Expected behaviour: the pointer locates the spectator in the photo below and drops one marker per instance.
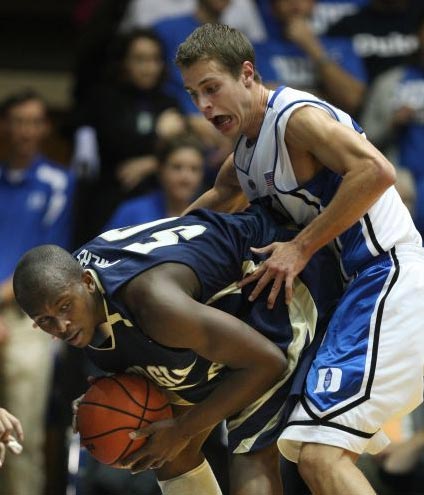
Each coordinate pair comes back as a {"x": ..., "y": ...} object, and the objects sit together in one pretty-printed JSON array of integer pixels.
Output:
[
  {"x": 97, "y": 22},
  {"x": 295, "y": 56},
  {"x": 128, "y": 115},
  {"x": 36, "y": 198},
  {"x": 173, "y": 31},
  {"x": 393, "y": 117},
  {"x": 328, "y": 12},
  {"x": 243, "y": 14},
  {"x": 180, "y": 177},
  {"x": 383, "y": 33}
]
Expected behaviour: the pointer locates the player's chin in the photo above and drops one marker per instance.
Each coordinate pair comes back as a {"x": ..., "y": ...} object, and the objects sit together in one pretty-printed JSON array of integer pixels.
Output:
[{"x": 81, "y": 339}]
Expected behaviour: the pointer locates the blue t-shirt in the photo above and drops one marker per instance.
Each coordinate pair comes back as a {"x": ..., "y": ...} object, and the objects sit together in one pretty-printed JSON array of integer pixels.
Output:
[
  {"x": 35, "y": 208},
  {"x": 138, "y": 210},
  {"x": 282, "y": 62},
  {"x": 173, "y": 31}
]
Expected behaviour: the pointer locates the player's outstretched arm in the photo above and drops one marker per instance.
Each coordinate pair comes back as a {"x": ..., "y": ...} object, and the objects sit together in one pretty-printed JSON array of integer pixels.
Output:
[
  {"x": 163, "y": 304},
  {"x": 226, "y": 194}
]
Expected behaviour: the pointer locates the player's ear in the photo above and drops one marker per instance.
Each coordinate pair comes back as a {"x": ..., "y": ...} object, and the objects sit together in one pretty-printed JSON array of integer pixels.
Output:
[
  {"x": 247, "y": 73},
  {"x": 88, "y": 280}
]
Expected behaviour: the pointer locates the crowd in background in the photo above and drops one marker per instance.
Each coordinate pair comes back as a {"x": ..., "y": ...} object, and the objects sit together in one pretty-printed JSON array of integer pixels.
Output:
[{"x": 139, "y": 151}]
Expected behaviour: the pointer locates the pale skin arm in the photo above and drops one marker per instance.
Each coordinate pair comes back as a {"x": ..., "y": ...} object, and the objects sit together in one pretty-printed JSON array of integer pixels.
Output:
[
  {"x": 366, "y": 175},
  {"x": 179, "y": 321},
  {"x": 226, "y": 194}
]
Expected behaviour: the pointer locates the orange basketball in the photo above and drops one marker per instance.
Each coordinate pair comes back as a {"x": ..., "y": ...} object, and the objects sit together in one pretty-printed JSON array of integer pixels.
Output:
[{"x": 114, "y": 406}]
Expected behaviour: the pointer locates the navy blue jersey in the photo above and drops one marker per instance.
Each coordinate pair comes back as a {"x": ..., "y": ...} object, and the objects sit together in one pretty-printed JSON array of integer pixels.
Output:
[{"x": 216, "y": 247}]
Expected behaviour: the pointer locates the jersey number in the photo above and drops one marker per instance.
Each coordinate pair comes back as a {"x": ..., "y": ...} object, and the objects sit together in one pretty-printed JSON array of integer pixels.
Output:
[{"x": 166, "y": 237}]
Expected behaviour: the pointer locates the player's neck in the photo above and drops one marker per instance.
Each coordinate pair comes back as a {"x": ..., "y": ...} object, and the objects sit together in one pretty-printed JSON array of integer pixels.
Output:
[{"x": 257, "y": 113}]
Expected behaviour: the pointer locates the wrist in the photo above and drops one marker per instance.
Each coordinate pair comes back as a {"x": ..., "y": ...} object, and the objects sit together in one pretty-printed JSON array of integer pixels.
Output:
[
  {"x": 322, "y": 60},
  {"x": 184, "y": 424}
]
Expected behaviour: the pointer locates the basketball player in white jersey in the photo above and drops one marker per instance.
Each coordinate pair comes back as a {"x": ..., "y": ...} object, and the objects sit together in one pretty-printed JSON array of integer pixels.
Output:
[{"x": 301, "y": 156}]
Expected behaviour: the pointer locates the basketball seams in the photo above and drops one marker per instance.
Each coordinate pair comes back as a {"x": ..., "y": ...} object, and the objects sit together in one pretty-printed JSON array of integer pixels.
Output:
[
  {"x": 120, "y": 390},
  {"x": 112, "y": 408},
  {"x": 147, "y": 395}
]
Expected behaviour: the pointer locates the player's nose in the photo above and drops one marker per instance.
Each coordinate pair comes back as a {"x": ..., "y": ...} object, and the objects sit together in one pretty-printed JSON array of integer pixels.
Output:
[
  {"x": 204, "y": 103},
  {"x": 63, "y": 325}
]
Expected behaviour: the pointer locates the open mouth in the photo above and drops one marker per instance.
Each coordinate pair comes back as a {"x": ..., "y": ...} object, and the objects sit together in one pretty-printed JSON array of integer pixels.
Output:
[{"x": 222, "y": 122}]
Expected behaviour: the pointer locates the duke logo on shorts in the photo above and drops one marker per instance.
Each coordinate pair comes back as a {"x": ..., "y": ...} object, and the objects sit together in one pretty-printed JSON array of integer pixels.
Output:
[{"x": 329, "y": 380}]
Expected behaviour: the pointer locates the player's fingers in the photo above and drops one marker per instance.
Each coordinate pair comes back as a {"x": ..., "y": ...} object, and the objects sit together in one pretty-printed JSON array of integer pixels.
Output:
[
  {"x": 289, "y": 289},
  {"x": 275, "y": 290},
  {"x": 252, "y": 277},
  {"x": 264, "y": 249},
  {"x": 141, "y": 433},
  {"x": 262, "y": 283}
]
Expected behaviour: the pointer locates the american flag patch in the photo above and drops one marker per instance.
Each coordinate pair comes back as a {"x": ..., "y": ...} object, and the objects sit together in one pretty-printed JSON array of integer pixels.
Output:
[{"x": 269, "y": 178}]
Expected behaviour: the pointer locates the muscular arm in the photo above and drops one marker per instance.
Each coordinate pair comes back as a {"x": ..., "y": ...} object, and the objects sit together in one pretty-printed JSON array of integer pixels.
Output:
[
  {"x": 226, "y": 194},
  {"x": 162, "y": 302},
  {"x": 314, "y": 139},
  {"x": 366, "y": 173}
]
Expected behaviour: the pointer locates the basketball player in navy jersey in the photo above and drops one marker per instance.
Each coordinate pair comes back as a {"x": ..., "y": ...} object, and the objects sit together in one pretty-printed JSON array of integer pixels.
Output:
[
  {"x": 302, "y": 156},
  {"x": 159, "y": 299}
]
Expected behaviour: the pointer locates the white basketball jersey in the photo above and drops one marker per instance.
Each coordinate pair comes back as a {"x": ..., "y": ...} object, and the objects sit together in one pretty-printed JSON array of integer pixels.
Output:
[{"x": 266, "y": 175}]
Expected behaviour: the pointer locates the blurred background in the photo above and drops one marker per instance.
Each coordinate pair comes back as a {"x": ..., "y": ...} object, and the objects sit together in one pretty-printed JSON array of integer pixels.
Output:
[{"x": 97, "y": 132}]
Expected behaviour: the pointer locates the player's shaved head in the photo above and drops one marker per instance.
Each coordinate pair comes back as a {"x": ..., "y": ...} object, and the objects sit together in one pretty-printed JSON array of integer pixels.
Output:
[{"x": 41, "y": 273}]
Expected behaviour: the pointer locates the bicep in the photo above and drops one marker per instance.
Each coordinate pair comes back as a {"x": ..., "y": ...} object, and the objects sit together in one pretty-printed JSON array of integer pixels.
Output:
[
  {"x": 331, "y": 143},
  {"x": 182, "y": 322}
]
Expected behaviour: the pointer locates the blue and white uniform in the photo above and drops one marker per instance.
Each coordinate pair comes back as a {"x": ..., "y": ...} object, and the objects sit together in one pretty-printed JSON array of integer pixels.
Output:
[
  {"x": 217, "y": 248},
  {"x": 370, "y": 364}
]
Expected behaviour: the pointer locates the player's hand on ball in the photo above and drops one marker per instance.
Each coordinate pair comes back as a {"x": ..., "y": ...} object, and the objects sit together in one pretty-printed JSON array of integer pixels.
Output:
[{"x": 164, "y": 443}]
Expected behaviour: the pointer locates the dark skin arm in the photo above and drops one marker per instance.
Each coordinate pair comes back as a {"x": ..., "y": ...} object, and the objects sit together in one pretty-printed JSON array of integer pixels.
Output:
[{"x": 162, "y": 301}]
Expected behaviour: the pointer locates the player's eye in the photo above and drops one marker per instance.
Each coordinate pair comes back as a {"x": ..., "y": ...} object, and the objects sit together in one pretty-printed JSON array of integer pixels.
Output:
[
  {"x": 193, "y": 95},
  {"x": 210, "y": 90},
  {"x": 42, "y": 322},
  {"x": 65, "y": 307}
]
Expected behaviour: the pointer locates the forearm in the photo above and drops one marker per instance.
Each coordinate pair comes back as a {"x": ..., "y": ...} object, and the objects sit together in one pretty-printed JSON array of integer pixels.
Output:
[
  {"x": 212, "y": 200},
  {"x": 356, "y": 194},
  {"x": 340, "y": 87},
  {"x": 237, "y": 391}
]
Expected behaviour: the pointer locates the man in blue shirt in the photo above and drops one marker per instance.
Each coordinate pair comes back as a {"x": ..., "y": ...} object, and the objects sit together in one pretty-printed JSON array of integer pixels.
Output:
[{"x": 35, "y": 207}]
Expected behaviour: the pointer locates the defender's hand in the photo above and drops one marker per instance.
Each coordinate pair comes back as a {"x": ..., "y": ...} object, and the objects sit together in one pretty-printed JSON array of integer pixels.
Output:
[{"x": 286, "y": 261}]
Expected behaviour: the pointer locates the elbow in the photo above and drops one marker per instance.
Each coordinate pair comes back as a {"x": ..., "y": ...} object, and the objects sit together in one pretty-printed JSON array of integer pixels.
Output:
[
  {"x": 386, "y": 173},
  {"x": 381, "y": 173}
]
